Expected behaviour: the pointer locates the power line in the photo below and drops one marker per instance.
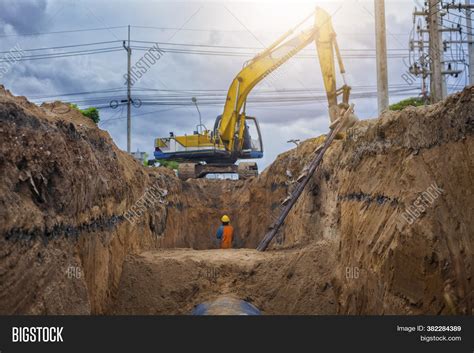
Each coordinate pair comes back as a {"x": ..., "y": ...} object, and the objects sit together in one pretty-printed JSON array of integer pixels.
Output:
[
  {"x": 64, "y": 54},
  {"x": 241, "y": 30},
  {"x": 254, "y": 106},
  {"x": 453, "y": 14},
  {"x": 147, "y": 113},
  {"x": 176, "y": 95},
  {"x": 249, "y": 54},
  {"x": 76, "y": 93},
  {"x": 59, "y": 32},
  {"x": 186, "y": 93},
  {"x": 238, "y": 47},
  {"x": 64, "y": 46},
  {"x": 119, "y": 114},
  {"x": 147, "y": 27},
  {"x": 236, "y": 50},
  {"x": 219, "y": 100},
  {"x": 176, "y": 51},
  {"x": 186, "y": 45},
  {"x": 457, "y": 23}
]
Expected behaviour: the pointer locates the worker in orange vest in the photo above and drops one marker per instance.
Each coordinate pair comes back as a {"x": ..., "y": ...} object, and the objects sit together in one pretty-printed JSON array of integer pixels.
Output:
[{"x": 225, "y": 233}]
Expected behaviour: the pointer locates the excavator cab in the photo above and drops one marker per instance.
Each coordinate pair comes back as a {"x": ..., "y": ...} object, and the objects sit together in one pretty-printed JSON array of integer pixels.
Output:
[
  {"x": 252, "y": 144},
  {"x": 252, "y": 147}
]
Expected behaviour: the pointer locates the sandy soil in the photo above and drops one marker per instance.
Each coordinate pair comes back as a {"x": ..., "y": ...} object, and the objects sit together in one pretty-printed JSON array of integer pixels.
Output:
[{"x": 276, "y": 282}]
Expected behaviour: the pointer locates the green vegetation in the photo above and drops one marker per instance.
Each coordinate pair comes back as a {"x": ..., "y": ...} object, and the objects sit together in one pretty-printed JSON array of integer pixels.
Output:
[
  {"x": 168, "y": 164},
  {"x": 145, "y": 159},
  {"x": 92, "y": 113},
  {"x": 414, "y": 102}
]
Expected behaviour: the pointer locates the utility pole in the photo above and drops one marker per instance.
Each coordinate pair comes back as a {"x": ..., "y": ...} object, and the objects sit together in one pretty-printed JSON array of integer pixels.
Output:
[
  {"x": 433, "y": 64},
  {"x": 436, "y": 80},
  {"x": 381, "y": 54},
  {"x": 469, "y": 40},
  {"x": 129, "y": 92}
]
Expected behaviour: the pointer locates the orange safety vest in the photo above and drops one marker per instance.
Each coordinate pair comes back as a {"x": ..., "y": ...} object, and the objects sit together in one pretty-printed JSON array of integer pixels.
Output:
[{"x": 227, "y": 235}]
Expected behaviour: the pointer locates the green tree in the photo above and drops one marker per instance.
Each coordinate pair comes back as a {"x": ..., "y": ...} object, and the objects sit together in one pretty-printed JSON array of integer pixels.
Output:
[
  {"x": 409, "y": 102},
  {"x": 168, "y": 164},
  {"x": 91, "y": 112}
]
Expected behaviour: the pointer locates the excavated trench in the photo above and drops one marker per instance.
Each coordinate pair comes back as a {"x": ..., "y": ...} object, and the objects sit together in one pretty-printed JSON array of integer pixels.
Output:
[
  {"x": 176, "y": 281},
  {"x": 356, "y": 242}
]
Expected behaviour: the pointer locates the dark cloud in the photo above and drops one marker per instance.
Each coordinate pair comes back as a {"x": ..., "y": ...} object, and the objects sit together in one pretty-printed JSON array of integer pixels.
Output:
[{"x": 23, "y": 16}]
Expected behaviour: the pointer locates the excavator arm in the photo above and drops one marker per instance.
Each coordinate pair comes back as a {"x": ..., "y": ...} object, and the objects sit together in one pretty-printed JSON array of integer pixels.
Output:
[
  {"x": 326, "y": 45},
  {"x": 232, "y": 121}
]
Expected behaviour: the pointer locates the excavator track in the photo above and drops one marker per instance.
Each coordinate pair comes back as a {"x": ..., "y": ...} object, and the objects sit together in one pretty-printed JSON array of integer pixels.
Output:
[
  {"x": 244, "y": 170},
  {"x": 187, "y": 171}
]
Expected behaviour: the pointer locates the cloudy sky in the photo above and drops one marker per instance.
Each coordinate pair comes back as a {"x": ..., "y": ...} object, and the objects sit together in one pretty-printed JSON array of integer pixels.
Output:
[{"x": 205, "y": 45}]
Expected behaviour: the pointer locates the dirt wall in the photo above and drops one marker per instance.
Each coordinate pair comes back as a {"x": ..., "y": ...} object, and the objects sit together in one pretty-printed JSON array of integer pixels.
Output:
[
  {"x": 389, "y": 260},
  {"x": 64, "y": 186}
]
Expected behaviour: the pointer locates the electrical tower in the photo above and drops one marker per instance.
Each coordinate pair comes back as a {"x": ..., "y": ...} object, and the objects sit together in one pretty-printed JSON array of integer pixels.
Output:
[{"x": 441, "y": 31}]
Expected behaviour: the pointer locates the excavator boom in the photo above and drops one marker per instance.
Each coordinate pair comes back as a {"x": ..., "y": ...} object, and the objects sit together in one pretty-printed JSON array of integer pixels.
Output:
[
  {"x": 273, "y": 57},
  {"x": 233, "y": 120}
]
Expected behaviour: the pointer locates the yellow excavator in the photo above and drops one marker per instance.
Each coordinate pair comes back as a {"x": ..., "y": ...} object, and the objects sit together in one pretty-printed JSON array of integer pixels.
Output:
[{"x": 217, "y": 150}]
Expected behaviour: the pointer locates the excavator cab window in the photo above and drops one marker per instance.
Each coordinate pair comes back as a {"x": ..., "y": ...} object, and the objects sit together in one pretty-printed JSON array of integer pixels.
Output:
[{"x": 252, "y": 145}]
